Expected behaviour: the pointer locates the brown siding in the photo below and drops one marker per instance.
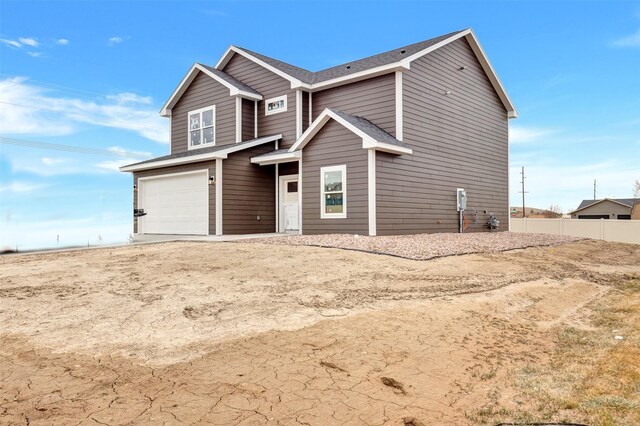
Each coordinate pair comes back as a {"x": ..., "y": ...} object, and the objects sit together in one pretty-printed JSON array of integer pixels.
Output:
[
  {"x": 203, "y": 92},
  {"x": 248, "y": 125},
  {"x": 305, "y": 110},
  {"x": 248, "y": 191},
  {"x": 209, "y": 165},
  {"x": 373, "y": 99},
  {"x": 288, "y": 168},
  {"x": 333, "y": 146},
  {"x": 270, "y": 86},
  {"x": 458, "y": 141}
]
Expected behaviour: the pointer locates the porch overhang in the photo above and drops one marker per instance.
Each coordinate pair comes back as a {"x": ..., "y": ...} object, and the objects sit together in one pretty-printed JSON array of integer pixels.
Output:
[{"x": 277, "y": 157}]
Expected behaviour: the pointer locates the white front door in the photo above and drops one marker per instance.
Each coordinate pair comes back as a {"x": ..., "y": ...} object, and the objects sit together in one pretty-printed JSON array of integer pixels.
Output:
[{"x": 289, "y": 212}]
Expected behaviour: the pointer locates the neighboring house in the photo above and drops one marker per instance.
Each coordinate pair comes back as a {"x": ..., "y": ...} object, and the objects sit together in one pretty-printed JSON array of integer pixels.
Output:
[
  {"x": 607, "y": 208},
  {"x": 377, "y": 146}
]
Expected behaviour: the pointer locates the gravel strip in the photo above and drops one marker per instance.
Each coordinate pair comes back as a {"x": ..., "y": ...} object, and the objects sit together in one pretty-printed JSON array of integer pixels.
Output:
[{"x": 423, "y": 246}]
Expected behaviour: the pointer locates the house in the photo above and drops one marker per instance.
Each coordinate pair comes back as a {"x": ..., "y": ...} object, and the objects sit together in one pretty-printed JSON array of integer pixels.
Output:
[
  {"x": 607, "y": 208},
  {"x": 377, "y": 146}
]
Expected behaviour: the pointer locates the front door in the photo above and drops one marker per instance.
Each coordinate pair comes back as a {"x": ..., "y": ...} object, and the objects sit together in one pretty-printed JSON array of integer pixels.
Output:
[{"x": 289, "y": 212}]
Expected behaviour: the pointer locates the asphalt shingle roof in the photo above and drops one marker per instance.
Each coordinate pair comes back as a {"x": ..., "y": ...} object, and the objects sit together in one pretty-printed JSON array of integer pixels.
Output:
[
  {"x": 626, "y": 201},
  {"x": 369, "y": 128},
  {"x": 200, "y": 151},
  {"x": 229, "y": 79},
  {"x": 374, "y": 61}
]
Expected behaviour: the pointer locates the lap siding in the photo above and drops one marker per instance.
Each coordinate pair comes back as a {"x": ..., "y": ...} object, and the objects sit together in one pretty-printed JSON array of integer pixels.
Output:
[
  {"x": 248, "y": 191},
  {"x": 459, "y": 141},
  {"x": 333, "y": 146}
]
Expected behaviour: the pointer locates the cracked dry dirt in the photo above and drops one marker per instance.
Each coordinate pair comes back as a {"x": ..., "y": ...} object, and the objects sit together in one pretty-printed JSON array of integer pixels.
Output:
[{"x": 231, "y": 333}]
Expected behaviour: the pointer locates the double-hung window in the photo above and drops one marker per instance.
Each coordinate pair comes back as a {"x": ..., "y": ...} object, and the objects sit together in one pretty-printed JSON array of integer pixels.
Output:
[
  {"x": 333, "y": 181},
  {"x": 202, "y": 127}
]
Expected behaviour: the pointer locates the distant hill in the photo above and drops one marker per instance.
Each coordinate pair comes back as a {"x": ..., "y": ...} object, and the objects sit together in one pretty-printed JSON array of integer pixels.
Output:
[{"x": 533, "y": 212}]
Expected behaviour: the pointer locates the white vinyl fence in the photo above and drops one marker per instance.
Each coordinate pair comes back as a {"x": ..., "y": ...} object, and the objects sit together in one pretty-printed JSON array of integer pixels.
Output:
[{"x": 621, "y": 231}]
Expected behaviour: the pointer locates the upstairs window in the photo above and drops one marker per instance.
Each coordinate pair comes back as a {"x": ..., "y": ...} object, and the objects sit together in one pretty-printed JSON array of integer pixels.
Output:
[
  {"x": 202, "y": 123},
  {"x": 275, "y": 105},
  {"x": 333, "y": 181}
]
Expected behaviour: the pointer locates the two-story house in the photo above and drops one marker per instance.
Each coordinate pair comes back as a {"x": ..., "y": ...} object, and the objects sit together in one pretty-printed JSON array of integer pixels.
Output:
[{"x": 377, "y": 146}]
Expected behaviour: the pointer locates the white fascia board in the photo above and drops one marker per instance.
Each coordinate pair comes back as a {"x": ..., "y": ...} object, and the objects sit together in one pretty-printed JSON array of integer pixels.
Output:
[
  {"x": 233, "y": 50},
  {"x": 191, "y": 75},
  {"x": 360, "y": 75},
  {"x": 221, "y": 154},
  {"x": 390, "y": 148},
  {"x": 224, "y": 153},
  {"x": 285, "y": 157}
]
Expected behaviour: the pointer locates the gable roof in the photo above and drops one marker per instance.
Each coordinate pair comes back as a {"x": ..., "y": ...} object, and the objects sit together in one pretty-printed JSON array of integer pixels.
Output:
[
  {"x": 236, "y": 87},
  {"x": 627, "y": 202},
  {"x": 200, "y": 154},
  {"x": 396, "y": 59},
  {"x": 373, "y": 137}
]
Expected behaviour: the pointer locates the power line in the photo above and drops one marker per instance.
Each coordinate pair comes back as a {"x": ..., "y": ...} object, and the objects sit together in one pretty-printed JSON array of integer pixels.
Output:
[{"x": 68, "y": 148}]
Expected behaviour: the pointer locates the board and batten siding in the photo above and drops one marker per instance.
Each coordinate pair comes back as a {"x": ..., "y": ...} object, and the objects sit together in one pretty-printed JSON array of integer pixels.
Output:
[
  {"x": 270, "y": 86},
  {"x": 248, "y": 191},
  {"x": 373, "y": 99},
  {"x": 203, "y": 92},
  {"x": 459, "y": 140},
  {"x": 210, "y": 166},
  {"x": 334, "y": 145}
]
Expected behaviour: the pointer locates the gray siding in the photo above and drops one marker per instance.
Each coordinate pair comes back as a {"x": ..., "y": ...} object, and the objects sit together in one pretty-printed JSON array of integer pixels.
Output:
[
  {"x": 458, "y": 141},
  {"x": 248, "y": 191},
  {"x": 333, "y": 146},
  {"x": 203, "y": 92},
  {"x": 270, "y": 86},
  {"x": 248, "y": 125},
  {"x": 373, "y": 99},
  {"x": 209, "y": 165}
]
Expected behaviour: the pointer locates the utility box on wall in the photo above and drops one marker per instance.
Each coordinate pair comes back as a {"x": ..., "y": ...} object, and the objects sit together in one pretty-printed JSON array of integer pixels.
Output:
[{"x": 462, "y": 199}]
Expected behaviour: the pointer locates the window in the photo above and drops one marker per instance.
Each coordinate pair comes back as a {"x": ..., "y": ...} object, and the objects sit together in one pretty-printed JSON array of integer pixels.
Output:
[
  {"x": 275, "y": 105},
  {"x": 202, "y": 123},
  {"x": 333, "y": 181}
]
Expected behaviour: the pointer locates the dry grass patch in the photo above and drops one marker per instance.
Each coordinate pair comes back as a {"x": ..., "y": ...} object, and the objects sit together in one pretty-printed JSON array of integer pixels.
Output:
[{"x": 592, "y": 377}]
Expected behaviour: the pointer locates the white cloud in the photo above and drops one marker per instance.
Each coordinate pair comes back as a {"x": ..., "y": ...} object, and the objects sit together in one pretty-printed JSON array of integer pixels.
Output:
[
  {"x": 130, "y": 98},
  {"x": 29, "y": 41},
  {"x": 116, "y": 40},
  {"x": 632, "y": 40},
  {"x": 122, "y": 152},
  {"x": 10, "y": 43},
  {"x": 35, "y": 54},
  {"x": 114, "y": 165},
  {"x": 20, "y": 187},
  {"x": 47, "y": 161},
  {"x": 28, "y": 109},
  {"x": 519, "y": 134},
  {"x": 62, "y": 41}
]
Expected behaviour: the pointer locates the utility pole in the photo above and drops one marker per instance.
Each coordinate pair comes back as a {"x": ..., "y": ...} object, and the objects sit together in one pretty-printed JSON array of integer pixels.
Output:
[
  {"x": 594, "y": 190},
  {"x": 523, "y": 192}
]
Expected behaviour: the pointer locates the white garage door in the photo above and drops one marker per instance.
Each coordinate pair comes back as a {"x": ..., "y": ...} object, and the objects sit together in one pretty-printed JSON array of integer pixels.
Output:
[{"x": 176, "y": 204}]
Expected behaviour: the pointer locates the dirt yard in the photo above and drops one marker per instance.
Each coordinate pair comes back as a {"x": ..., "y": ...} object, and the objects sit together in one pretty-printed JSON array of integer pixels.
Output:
[{"x": 250, "y": 333}]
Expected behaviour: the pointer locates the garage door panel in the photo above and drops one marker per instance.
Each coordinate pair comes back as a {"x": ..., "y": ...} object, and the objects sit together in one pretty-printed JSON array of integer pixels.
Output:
[{"x": 176, "y": 204}]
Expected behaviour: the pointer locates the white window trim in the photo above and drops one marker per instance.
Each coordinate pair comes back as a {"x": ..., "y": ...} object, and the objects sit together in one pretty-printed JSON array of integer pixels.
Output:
[
  {"x": 323, "y": 215},
  {"x": 279, "y": 98},
  {"x": 202, "y": 145}
]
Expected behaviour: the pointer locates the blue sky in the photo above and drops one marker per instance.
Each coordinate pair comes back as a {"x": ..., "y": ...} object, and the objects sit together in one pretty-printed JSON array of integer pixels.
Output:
[{"x": 95, "y": 74}]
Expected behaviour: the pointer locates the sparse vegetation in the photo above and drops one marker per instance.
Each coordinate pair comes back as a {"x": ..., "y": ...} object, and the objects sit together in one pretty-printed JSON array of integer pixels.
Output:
[{"x": 592, "y": 376}]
